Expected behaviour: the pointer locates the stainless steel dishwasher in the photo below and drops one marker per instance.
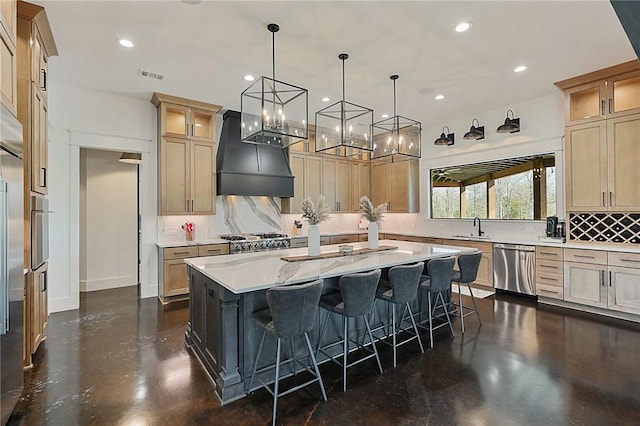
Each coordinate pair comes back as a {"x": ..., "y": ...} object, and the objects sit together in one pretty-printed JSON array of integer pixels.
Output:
[{"x": 514, "y": 268}]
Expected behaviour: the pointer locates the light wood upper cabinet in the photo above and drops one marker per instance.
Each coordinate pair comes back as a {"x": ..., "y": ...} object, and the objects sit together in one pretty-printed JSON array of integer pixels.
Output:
[
  {"x": 396, "y": 184},
  {"x": 623, "y": 154},
  {"x": 586, "y": 166},
  {"x": 187, "y": 160},
  {"x": 603, "y": 165},
  {"x": 336, "y": 177},
  {"x": 607, "y": 93},
  {"x": 8, "y": 60},
  {"x": 307, "y": 172},
  {"x": 360, "y": 183}
]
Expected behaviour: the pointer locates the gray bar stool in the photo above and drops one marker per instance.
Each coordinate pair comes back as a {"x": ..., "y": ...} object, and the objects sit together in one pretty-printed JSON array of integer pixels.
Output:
[
  {"x": 355, "y": 299},
  {"x": 438, "y": 283},
  {"x": 469, "y": 264},
  {"x": 291, "y": 313},
  {"x": 401, "y": 289}
]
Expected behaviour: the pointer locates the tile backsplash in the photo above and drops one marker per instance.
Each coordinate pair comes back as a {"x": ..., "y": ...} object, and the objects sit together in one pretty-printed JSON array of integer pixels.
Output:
[{"x": 241, "y": 214}]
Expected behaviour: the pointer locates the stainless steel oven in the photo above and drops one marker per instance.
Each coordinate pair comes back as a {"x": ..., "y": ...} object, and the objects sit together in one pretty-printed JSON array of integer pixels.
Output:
[{"x": 39, "y": 231}]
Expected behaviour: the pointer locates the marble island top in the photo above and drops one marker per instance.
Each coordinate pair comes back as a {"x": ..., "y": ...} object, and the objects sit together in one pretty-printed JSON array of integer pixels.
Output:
[{"x": 242, "y": 273}]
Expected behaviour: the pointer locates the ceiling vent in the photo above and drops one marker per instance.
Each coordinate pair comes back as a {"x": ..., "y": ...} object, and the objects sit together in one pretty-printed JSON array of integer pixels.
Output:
[{"x": 151, "y": 74}]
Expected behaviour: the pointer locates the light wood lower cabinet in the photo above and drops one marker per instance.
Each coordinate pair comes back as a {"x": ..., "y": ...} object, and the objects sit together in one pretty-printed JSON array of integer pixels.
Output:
[
  {"x": 485, "y": 270},
  {"x": 609, "y": 280},
  {"x": 549, "y": 272},
  {"x": 39, "y": 313}
]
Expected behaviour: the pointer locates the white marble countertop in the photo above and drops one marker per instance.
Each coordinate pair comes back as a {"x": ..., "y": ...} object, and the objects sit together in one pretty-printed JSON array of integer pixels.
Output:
[
  {"x": 166, "y": 244},
  {"x": 242, "y": 273}
]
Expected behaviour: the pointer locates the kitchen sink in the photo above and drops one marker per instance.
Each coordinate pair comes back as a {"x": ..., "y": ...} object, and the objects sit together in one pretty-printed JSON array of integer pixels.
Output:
[{"x": 473, "y": 237}]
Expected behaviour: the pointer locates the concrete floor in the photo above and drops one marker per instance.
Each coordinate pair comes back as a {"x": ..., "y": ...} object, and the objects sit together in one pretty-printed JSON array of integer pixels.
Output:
[{"x": 122, "y": 361}]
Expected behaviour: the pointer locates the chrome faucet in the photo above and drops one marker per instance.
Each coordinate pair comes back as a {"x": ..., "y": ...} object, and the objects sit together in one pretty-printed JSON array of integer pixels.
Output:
[{"x": 480, "y": 231}]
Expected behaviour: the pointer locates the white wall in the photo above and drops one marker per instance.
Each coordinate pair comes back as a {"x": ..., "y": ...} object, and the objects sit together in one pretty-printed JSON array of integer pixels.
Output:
[
  {"x": 108, "y": 221},
  {"x": 90, "y": 119}
]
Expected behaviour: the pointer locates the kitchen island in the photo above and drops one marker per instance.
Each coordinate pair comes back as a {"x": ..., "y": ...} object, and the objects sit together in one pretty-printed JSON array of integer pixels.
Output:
[{"x": 226, "y": 290}]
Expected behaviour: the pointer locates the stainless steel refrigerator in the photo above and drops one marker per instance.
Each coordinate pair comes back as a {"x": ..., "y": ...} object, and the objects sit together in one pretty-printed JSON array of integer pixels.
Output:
[{"x": 12, "y": 268}]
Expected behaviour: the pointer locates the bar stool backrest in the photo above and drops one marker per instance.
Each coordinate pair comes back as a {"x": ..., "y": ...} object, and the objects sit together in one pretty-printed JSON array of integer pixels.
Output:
[
  {"x": 440, "y": 271},
  {"x": 469, "y": 264},
  {"x": 405, "y": 280},
  {"x": 294, "y": 308},
  {"x": 359, "y": 292}
]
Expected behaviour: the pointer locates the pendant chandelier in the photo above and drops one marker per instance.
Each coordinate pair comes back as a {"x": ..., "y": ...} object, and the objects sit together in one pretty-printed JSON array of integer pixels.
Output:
[
  {"x": 344, "y": 128},
  {"x": 273, "y": 112},
  {"x": 396, "y": 138}
]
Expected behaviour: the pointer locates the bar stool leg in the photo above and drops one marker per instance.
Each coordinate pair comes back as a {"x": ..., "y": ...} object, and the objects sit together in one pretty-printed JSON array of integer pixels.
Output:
[
  {"x": 321, "y": 335},
  {"x": 373, "y": 343},
  {"x": 315, "y": 366},
  {"x": 255, "y": 364},
  {"x": 446, "y": 312},
  {"x": 292, "y": 343},
  {"x": 475, "y": 307},
  {"x": 461, "y": 306},
  {"x": 393, "y": 331},
  {"x": 345, "y": 323},
  {"x": 430, "y": 320},
  {"x": 415, "y": 328},
  {"x": 275, "y": 389}
]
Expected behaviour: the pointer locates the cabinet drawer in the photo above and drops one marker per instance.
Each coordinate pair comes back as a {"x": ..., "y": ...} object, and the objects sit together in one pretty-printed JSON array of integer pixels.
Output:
[
  {"x": 298, "y": 242},
  {"x": 549, "y": 253},
  {"x": 585, "y": 256},
  {"x": 213, "y": 250},
  {"x": 342, "y": 239},
  {"x": 180, "y": 252},
  {"x": 364, "y": 237},
  {"x": 549, "y": 267},
  {"x": 549, "y": 291},
  {"x": 325, "y": 240},
  {"x": 549, "y": 279},
  {"x": 412, "y": 239},
  {"x": 627, "y": 260},
  {"x": 430, "y": 240}
]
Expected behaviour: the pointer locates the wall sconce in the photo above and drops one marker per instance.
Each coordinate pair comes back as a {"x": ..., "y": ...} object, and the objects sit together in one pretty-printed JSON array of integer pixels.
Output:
[
  {"x": 131, "y": 158},
  {"x": 446, "y": 138},
  {"x": 511, "y": 125},
  {"x": 476, "y": 132}
]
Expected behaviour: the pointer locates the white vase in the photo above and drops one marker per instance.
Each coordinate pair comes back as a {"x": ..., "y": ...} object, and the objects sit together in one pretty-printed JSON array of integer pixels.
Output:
[
  {"x": 313, "y": 237},
  {"x": 373, "y": 235}
]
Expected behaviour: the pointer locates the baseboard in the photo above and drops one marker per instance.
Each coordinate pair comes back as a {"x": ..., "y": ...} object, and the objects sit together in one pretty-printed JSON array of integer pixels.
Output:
[{"x": 107, "y": 283}]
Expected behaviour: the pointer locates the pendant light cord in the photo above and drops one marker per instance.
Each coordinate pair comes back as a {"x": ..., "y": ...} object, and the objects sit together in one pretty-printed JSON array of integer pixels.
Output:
[{"x": 273, "y": 56}]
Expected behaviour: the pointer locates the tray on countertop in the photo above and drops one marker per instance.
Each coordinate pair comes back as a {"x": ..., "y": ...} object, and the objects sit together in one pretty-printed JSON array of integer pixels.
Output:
[{"x": 331, "y": 254}]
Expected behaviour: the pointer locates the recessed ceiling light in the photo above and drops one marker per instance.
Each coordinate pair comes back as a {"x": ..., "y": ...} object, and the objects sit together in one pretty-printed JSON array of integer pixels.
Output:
[
  {"x": 463, "y": 26},
  {"x": 439, "y": 97},
  {"x": 519, "y": 68},
  {"x": 124, "y": 42},
  {"x": 325, "y": 99},
  {"x": 249, "y": 77},
  {"x": 385, "y": 115}
]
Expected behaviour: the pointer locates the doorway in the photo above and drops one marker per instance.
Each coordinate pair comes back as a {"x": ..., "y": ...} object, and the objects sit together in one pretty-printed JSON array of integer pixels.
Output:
[{"x": 109, "y": 225}]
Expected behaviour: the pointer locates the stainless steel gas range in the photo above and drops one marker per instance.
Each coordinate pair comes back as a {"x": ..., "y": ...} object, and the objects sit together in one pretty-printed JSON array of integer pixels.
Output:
[{"x": 245, "y": 243}]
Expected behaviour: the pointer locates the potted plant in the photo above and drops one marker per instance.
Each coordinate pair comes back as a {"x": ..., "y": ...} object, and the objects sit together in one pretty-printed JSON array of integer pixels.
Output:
[
  {"x": 373, "y": 215},
  {"x": 314, "y": 214}
]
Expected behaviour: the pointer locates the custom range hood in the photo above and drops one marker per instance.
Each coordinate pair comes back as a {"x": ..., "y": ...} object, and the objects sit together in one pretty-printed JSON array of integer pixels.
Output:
[{"x": 250, "y": 169}]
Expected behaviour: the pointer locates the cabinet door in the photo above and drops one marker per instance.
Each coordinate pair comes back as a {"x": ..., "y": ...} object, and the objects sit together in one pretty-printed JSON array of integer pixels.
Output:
[
  {"x": 203, "y": 178},
  {"x": 38, "y": 143},
  {"x": 343, "y": 185},
  {"x": 399, "y": 190},
  {"x": 313, "y": 177},
  {"x": 176, "y": 280},
  {"x": 297, "y": 163},
  {"x": 624, "y": 289},
  {"x": 585, "y": 103},
  {"x": 175, "y": 122},
  {"x": 359, "y": 183},
  {"x": 624, "y": 95},
  {"x": 585, "y": 283},
  {"x": 39, "y": 61},
  {"x": 8, "y": 17},
  {"x": 174, "y": 169},
  {"x": 202, "y": 125},
  {"x": 586, "y": 167},
  {"x": 329, "y": 169},
  {"x": 379, "y": 183},
  {"x": 38, "y": 312},
  {"x": 623, "y": 145},
  {"x": 8, "y": 77}
]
